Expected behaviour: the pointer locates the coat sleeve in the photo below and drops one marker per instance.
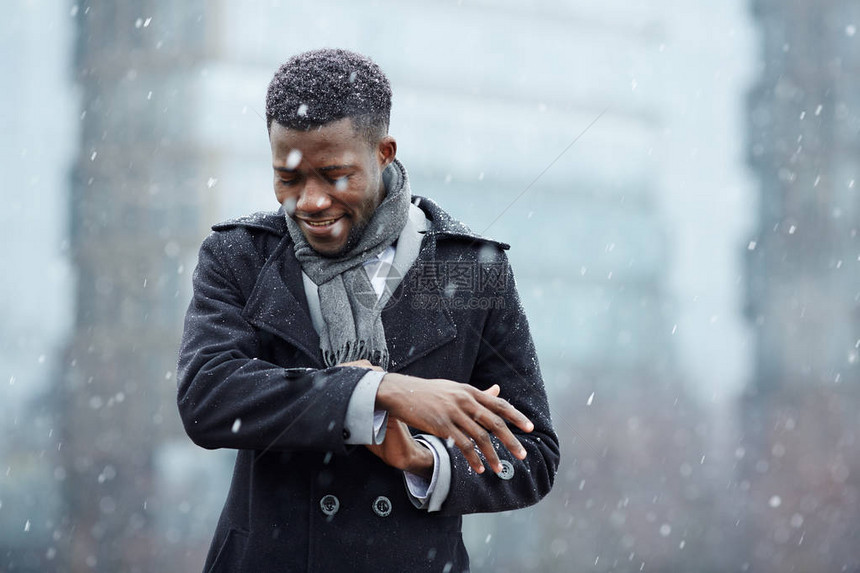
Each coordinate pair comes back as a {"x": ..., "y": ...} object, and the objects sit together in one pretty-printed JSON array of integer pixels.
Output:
[
  {"x": 228, "y": 396},
  {"x": 507, "y": 357}
]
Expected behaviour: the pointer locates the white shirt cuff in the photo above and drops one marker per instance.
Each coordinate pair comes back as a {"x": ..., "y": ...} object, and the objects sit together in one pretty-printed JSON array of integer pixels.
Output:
[
  {"x": 430, "y": 495},
  {"x": 364, "y": 424}
]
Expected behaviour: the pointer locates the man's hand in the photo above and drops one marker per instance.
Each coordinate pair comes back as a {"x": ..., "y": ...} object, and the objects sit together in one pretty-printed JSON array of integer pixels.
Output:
[
  {"x": 455, "y": 411},
  {"x": 401, "y": 451},
  {"x": 363, "y": 363}
]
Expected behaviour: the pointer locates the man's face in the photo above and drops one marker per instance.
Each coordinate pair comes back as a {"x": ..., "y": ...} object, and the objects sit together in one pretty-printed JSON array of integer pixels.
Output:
[{"x": 329, "y": 180}]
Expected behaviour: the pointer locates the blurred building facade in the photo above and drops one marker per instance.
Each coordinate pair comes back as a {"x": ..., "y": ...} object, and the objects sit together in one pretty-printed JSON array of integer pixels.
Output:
[
  {"x": 37, "y": 132},
  {"x": 800, "y": 469},
  {"x": 135, "y": 220}
]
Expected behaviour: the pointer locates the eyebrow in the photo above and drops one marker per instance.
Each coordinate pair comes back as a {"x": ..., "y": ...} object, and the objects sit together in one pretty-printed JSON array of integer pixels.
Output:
[{"x": 325, "y": 169}]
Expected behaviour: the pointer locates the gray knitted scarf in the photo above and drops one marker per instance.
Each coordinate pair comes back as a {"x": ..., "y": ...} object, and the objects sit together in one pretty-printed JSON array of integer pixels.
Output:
[{"x": 352, "y": 315}]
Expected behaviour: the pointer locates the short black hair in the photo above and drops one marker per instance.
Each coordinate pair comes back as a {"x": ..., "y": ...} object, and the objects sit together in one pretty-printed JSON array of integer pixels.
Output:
[{"x": 318, "y": 87}]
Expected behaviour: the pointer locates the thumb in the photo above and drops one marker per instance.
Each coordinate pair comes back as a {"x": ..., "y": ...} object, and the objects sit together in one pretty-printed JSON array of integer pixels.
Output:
[{"x": 493, "y": 390}]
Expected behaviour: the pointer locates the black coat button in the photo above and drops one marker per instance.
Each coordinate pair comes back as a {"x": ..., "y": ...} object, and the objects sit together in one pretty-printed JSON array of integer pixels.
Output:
[
  {"x": 329, "y": 504},
  {"x": 346, "y": 434},
  {"x": 507, "y": 470},
  {"x": 382, "y": 506}
]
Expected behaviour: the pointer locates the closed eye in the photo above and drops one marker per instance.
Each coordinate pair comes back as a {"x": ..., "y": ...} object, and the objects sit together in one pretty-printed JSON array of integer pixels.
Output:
[{"x": 339, "y": 183}]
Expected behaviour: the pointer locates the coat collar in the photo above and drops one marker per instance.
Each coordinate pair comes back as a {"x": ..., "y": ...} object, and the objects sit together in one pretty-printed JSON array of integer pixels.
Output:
[
  {"x": 278, "y": 304},
  {"x": 444, "y": 226}
]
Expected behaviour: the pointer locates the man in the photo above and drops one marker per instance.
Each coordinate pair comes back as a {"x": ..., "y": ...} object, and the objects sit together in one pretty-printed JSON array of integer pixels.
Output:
[{"x": 363, "y": 351}]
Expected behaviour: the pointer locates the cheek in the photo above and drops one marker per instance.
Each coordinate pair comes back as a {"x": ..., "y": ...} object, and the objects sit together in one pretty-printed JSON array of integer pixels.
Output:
[
  {"x": 367, "y": 201},
  {"x": 286, "y": 197},
  {"x": 354, "y": 192}
]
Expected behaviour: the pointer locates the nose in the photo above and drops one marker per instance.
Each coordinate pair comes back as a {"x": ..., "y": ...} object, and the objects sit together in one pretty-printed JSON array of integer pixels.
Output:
[{"x": 314, "y": 197}]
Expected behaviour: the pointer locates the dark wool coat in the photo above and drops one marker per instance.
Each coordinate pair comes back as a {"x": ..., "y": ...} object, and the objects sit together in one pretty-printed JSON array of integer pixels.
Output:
[{"x": 301, "y": 499}]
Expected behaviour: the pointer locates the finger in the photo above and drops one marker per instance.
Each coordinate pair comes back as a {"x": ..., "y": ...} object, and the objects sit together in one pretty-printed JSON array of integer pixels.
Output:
[
  {"x": 497, "y": 427},
  {"x": 400, "y": 426},
  {"x": 492, "y": 390},
  {"x": 506, "y": 410},
  {"x": 363, "y": 363},
  {"x": 482, "y": 439},
  {"x": 467, "y": 446},
  {"x": 484, "y": 416}
]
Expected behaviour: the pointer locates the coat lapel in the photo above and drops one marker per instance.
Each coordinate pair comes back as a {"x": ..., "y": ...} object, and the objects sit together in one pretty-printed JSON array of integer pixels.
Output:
[
  {"x": 414, "y": 328},
  {"x": 278, "y": 304}
]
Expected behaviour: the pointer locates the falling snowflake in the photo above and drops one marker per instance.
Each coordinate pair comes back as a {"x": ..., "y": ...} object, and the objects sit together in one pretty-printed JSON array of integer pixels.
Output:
[{"x": 294, "y": 157}]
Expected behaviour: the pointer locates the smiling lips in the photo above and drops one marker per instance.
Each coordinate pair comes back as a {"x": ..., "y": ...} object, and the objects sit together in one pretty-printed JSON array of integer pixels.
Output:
[
  {"x": 324, "y": 223},
  {"x": 323, "y": 228}
]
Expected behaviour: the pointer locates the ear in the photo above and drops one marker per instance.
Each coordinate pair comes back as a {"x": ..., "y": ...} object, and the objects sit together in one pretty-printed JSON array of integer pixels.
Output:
[{"x": 386, "y": 150}]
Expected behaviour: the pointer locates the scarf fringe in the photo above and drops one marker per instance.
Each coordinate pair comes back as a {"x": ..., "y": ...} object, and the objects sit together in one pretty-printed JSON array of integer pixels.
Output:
[{"x": 354, "y": 350}]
